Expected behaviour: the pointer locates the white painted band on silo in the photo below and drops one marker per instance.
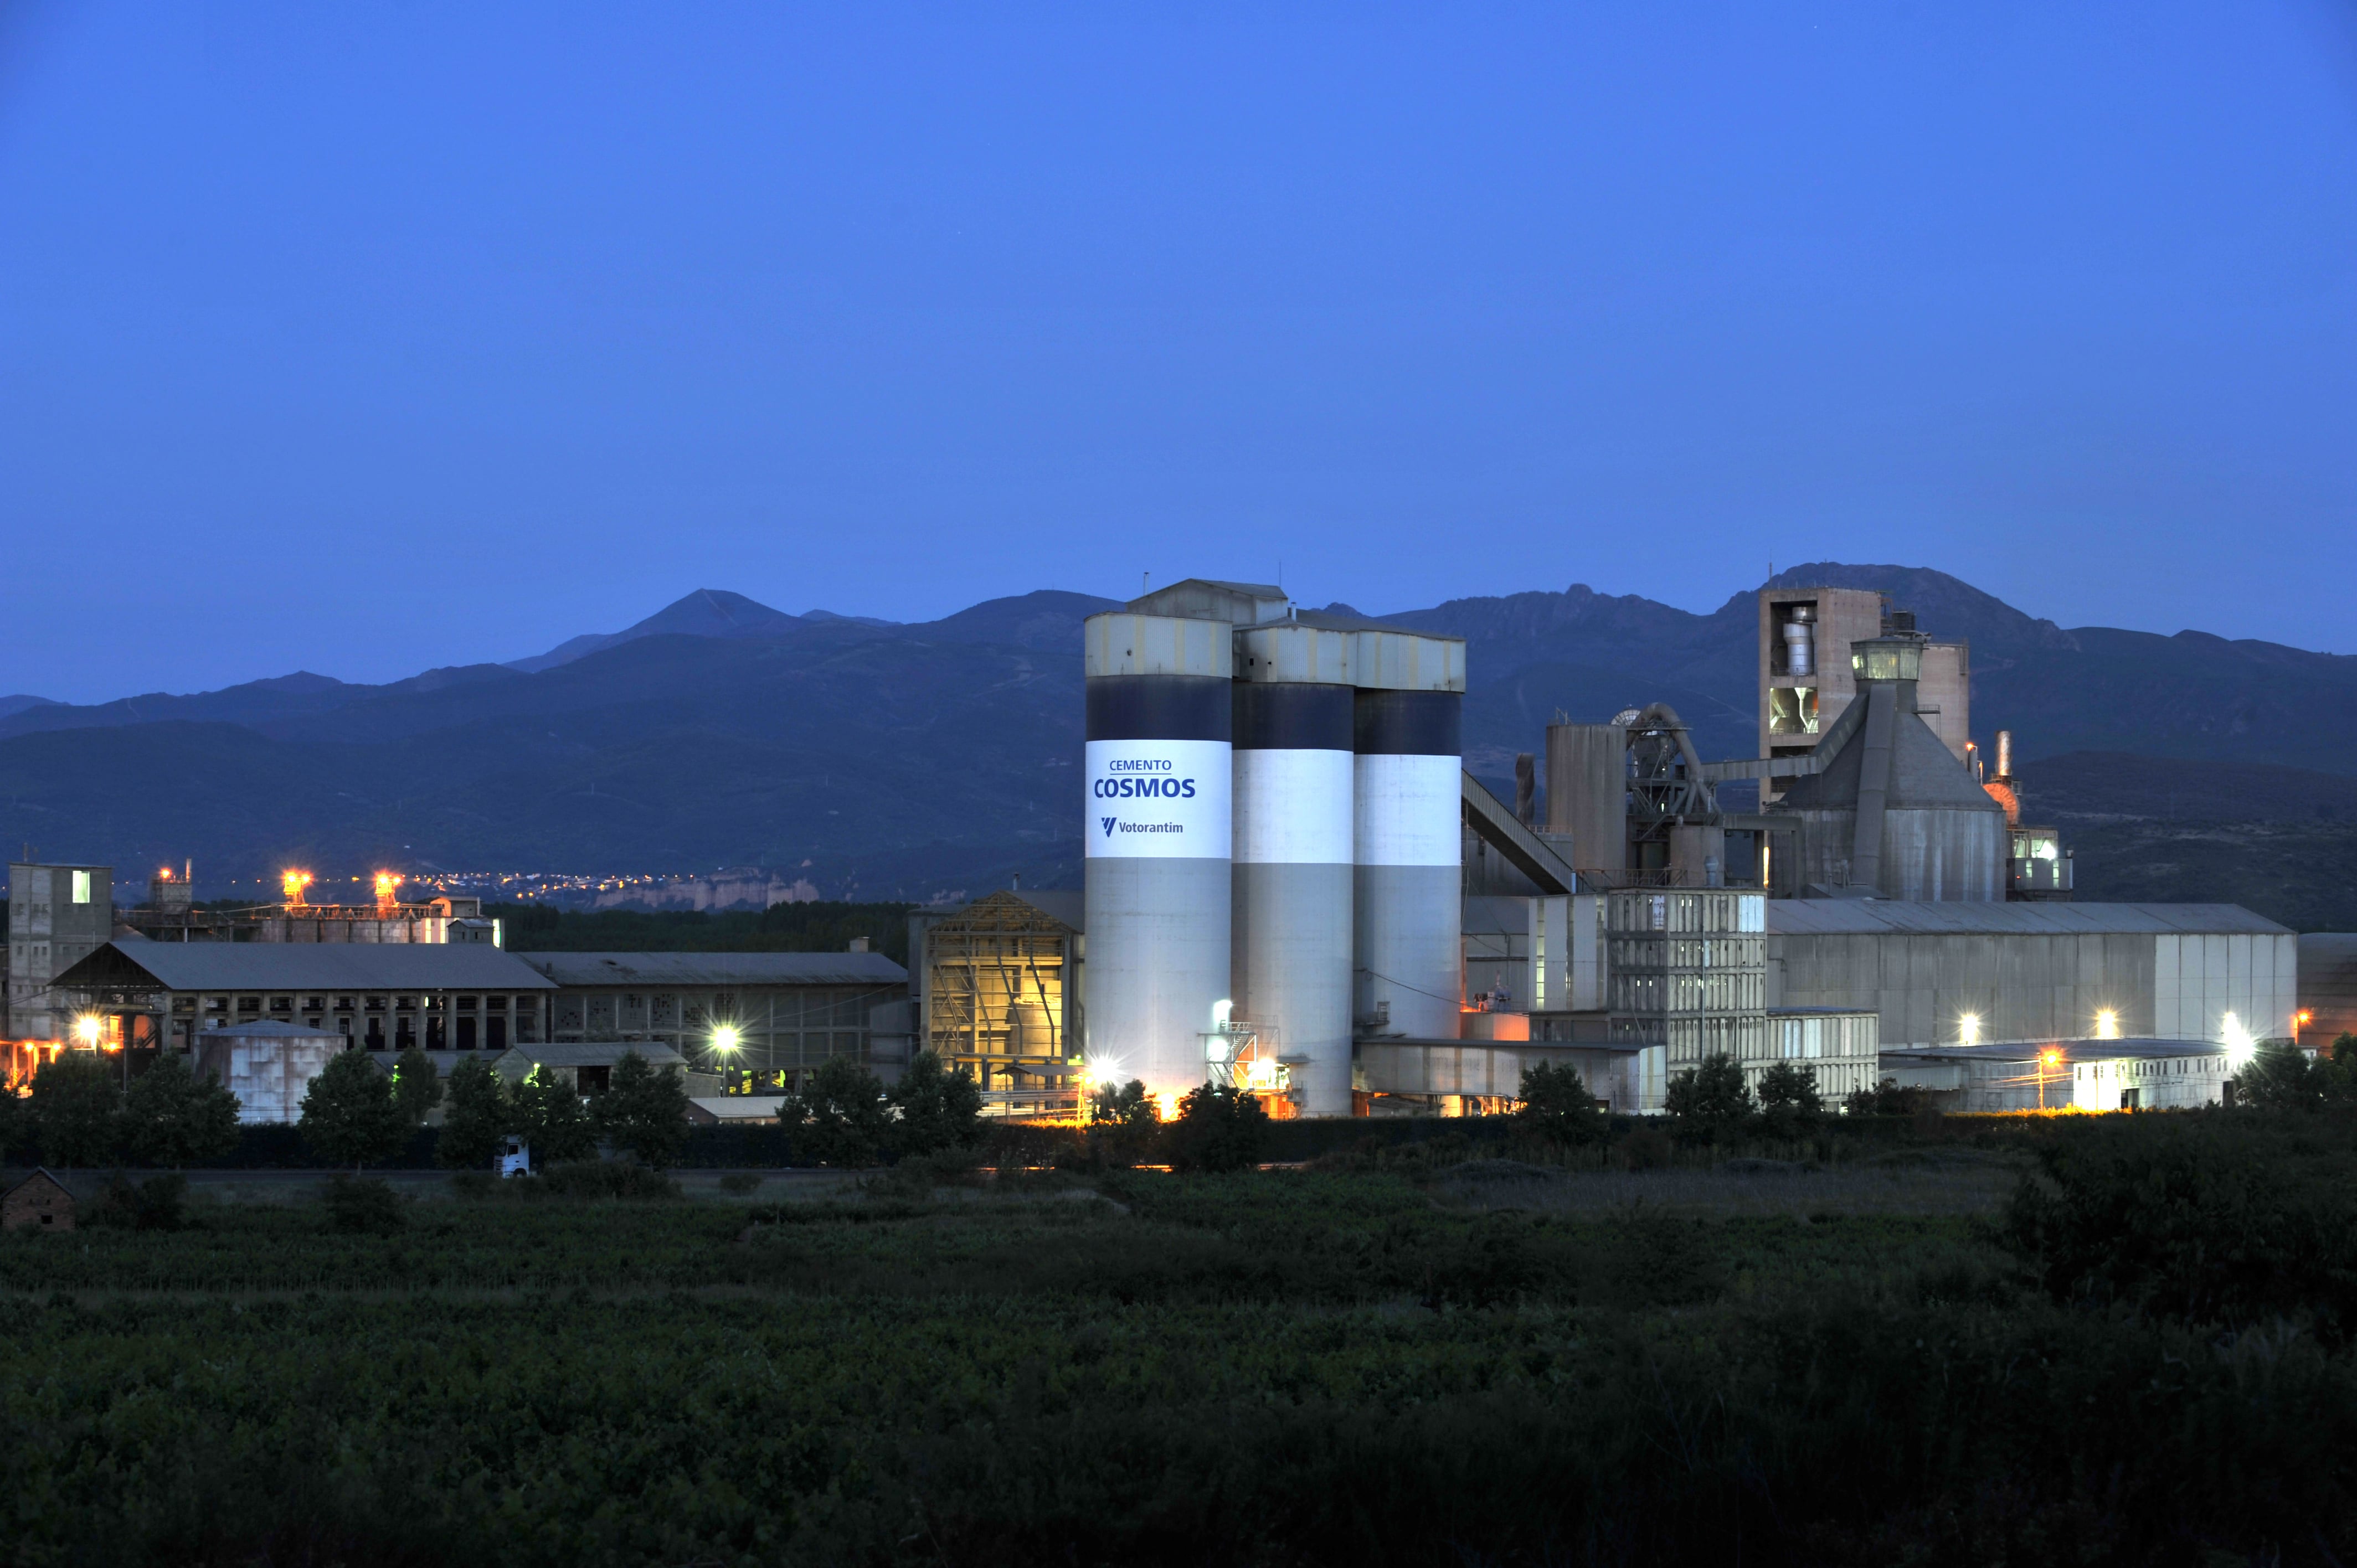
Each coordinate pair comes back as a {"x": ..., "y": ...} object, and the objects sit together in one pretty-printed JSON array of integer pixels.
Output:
[
  {"x": 1158, "y": 798},
  {"x": 1409, "y": 849},
  {"x": 1295, "y": 785}
]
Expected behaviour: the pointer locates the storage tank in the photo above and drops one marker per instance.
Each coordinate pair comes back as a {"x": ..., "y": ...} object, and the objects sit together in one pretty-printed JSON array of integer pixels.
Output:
[
  {"x": 1295, "y": 787},
  {"x": 1407, "y": 724},
  {"x": 1159, "y": 778}
]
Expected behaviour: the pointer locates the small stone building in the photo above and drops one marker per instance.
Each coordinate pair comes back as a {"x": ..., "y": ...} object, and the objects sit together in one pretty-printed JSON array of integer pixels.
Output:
[{"x": 39, "y": 1202}]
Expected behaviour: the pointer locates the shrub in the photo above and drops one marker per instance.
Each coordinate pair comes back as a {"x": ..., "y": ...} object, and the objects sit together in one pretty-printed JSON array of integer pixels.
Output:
[
  {"x": 364, "y": 1206},
  {"x": 1708, "y": 1102},
  {"x": 1123, "y": 1124},
  {"x": 840, "y": 1114},
  {"x": 739, "y": 1183},
  {"x": 549, "y": 1115},
  {"x": 416, "y": 1086},
  {"x": 1645, "y": 1148},
  {"x": 1557, "y": 1108},
  {"x": 1887, "y": 1099},
  {"x": 600, "y": 1178},
  {"x": 155, "y": 1204},
  {"x": 479, "y": 1119},
  {"x": 76, "y": 1109},
  {"x": 1218, "y": 1128},
  {"x": 172, "y": 1119},
  {"x": 644, "y": 1112},
  {"x": 1790, "y": 1105},
  {"x": 2189, "y": 1222},
  {"x": 939, "y": 1109},
  {"x": 2281, "y": 1077},
  {"x": 348, "y": 1114}
]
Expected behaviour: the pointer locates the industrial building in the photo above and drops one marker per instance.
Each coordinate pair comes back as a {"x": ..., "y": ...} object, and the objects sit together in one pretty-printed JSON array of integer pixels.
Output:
[
  {"x": 1885, "y": 896},
  {"x": 58, "y": 915},
  {"x": 1274, "y": 862},
  {"x": 1953, "y": 973},
  {"x": 777, "y": 1014},
  {"x": 995, "y": 988},
  {"x": 136, "y": 994},
  {"x": 2066, "y": 1074}
]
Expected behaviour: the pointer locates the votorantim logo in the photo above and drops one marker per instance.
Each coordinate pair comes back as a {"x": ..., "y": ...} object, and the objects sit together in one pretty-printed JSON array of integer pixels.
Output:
[{"x": 1159, "y": 799}]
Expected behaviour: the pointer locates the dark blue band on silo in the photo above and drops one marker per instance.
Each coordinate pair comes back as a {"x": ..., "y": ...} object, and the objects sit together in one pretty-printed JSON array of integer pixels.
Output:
[
  {"x": 1159, "y": 707},
  {"x": 1275, "y": 716},
  {"x": 1409, "y": 723}
]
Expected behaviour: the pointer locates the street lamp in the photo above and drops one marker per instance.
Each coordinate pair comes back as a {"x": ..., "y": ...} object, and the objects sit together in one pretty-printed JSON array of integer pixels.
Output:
[
  {"x": 1968, "y": 1029},
  {"x": 726, "y": 1038},
  {"x": 2046, "y": 1059}
]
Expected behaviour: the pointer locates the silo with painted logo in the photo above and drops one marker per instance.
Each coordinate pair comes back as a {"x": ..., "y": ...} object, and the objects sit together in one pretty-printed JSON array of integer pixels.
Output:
[
  {"x": 1408, "y": 766},
  {"x": 1159, "y": 777},
  {"x": 1295, "y": 787}
]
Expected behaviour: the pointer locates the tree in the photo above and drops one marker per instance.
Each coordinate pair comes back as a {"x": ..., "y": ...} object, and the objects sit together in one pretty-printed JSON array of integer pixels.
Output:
[
  {"x": 1123, "y": 1122},
  {"x": 172, "y": 1118},
  {"x": 1219, "y": 1129},
  {"x": 416, "y": 1086},
  {"x": 644, "y": 1111},
  {"x": 840, "y": 1112},
  {"x": 479, "y": 1117},
  {"x": 349, "y": 1114},
  {"x": 1789, "y": 1100},
  {"x": 2281, "y": 1077},
  {"x": 939, "y": 1109},
  {"x": 1557, "y": 1108},
  {"x": 77, "y": 1109},
  {"x": 549, "y": 1114},
  {"x": 1708, "y": 1102}
]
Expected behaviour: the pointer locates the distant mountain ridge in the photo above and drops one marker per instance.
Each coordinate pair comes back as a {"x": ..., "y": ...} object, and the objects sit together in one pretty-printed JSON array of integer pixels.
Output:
[{"x": 894, "y": 759}]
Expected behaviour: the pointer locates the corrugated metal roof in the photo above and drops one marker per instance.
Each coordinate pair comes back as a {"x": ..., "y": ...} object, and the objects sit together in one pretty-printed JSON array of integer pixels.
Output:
[
  {"x": 271, "y": 1029},
  {"x": 653, "y": 969},
  {"x": 1877, "y": 917},
  {"x": 317, "y": 966},
  {"x": 738, "y": 1107}
]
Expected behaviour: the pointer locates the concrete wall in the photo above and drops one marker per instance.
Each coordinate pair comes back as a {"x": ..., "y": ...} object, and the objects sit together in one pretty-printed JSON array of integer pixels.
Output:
[{"x": 270, "y": 1074}]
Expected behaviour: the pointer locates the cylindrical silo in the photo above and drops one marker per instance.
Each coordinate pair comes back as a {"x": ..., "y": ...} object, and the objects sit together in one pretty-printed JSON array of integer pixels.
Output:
[
  {"x": 1159, "y": 778},
  {"x": 1407, "y": 807},
  {"x": 1294, "y": 852}
]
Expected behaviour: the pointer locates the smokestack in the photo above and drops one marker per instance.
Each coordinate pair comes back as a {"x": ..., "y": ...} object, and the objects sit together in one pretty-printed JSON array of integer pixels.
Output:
[{"x": 2004, "y": 754}]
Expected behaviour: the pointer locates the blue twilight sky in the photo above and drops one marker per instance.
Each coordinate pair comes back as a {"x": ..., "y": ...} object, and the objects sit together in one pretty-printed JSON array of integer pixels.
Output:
[{"x": 364, "y": 338}]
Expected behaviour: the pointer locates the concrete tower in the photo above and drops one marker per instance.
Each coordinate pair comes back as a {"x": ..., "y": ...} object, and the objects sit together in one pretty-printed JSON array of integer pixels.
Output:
[
  {"x": 1294, "y": 825},
  {"x": 1407, "y": 724},
  {"x": 1159, "y": 775}
]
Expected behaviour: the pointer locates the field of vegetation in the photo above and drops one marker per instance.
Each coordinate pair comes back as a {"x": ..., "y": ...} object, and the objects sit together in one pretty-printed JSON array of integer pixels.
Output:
[{"x": 2123, "y": 1339}]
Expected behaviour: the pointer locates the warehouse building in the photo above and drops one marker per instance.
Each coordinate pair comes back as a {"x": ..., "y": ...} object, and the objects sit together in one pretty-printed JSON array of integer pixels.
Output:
[
  {"x": 777, "y": 1014},
  {"x": 1965, "y": 973},
  {"x": 136, "y": 994},
  {"x": 2066, "y": 1074}
]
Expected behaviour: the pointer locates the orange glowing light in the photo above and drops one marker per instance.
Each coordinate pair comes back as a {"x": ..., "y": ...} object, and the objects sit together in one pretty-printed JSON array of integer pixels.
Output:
[
  {"x": 294, "y": 882},
  {"x": 386, "y": 882},
  {"x": 2052, "y": 1058}
]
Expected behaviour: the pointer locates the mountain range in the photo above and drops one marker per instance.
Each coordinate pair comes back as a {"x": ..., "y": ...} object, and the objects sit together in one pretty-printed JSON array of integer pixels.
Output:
[{"x": 902, "y": 759}]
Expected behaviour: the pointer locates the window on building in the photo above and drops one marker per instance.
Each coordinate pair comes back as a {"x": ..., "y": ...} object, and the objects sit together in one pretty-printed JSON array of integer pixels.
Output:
[
  {"x": 81, "y": 886},
  {"x": 466, "y": 1033}
]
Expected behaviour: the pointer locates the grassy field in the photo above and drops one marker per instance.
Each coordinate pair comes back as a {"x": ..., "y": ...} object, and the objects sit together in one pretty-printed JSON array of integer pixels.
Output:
[{"x": 1488, "y": 1361}]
